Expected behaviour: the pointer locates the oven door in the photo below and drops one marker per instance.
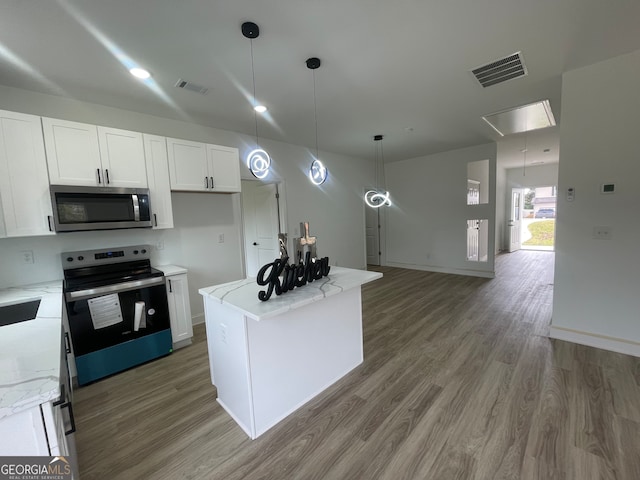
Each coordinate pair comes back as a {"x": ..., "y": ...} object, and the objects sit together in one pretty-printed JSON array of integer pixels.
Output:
[
  {"x": 106, "y": 316},
  {"x": 116, "y": 327}
]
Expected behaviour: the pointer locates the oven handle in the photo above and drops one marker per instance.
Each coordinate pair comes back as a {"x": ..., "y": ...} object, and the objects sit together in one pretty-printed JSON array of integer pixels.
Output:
[{"x": 119, "y": 287}]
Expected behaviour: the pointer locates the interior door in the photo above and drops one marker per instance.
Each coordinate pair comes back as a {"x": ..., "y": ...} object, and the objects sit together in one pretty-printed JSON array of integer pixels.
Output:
[
  {"x": 515, "y": 218},
  {"x": 260, "y": 210},
  {"x": 372, "y": 220}
]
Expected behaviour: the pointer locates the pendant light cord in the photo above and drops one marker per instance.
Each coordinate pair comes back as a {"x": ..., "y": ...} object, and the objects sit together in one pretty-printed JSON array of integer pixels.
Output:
[
  {"x": 384, "y": 180},
  {"x": 253, "y": 78},
  {"x": 376, "y": 165},
  {"x": 315, "y": 111}
]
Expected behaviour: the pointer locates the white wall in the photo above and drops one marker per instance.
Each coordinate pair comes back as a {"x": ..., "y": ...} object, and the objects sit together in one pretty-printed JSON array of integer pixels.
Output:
[
  {"x": 501, "y": 206},
  {"x": 334, "y": 210},
  {"x": 536, "y": 176},
  {"x": 426, "y": 226},
  {"x": 596, "y": 298}
]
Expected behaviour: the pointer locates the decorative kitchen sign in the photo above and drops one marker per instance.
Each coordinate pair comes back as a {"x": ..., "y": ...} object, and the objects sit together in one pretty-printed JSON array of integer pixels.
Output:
[{"x": 282, "y": 277}]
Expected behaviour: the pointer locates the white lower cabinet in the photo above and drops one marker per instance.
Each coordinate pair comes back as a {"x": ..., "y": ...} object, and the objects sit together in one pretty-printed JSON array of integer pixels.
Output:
[
  {"x": 179, "y": 307},
  {"x": 38, "y": 431},
  {"x": 24, "y": 434}
]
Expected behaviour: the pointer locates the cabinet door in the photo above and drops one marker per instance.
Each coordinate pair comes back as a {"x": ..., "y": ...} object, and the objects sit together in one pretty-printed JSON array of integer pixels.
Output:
[
  {"x": 23, "y": 434},
  {"x": 24, "y": 184},
  {"x": 224, "y": 168},
  {"x": 188, "y": 169},
  {"x": 155, "y": 153},
  {"x": 179, "y": 307},
  {"x": 122, "y": 156},
  {"x": 73, "y": 155}
]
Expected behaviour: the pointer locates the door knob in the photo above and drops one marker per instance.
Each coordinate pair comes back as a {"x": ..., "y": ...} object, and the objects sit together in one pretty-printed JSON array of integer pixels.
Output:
[{"x": 255, "y": 243}]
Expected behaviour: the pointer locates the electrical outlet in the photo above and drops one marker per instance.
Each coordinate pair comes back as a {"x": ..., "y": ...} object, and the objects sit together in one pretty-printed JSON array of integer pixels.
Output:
[
  {"x": 27, "y": 257},
  {"x": 602, "y": 233},
  {"x": 160, "y": 245},
  {"x": 221, "y": 238}
]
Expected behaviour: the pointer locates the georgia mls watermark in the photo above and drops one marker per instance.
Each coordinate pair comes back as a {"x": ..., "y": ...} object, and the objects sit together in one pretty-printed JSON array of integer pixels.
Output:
[{"x": 35, "y": 468}]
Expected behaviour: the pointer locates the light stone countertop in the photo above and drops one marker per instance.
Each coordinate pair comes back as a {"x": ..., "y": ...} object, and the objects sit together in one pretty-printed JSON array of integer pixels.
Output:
[
  {"x": 30, "y": 351},
  {"x": 243, "y": 294}
]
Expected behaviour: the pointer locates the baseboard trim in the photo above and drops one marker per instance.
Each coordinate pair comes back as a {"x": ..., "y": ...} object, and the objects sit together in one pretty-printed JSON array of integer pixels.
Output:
[
  {"x": 197, "y": 319},
  {"x": 452, "y": 271},
  {"x": 603, "y": 342}
]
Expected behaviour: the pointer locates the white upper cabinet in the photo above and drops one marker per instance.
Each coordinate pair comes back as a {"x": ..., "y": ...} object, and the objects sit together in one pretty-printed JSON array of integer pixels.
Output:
[
  {"x": 24, "y": 184},
  {"x": 83, "y": 154},
  {"x": 73, "y": 154},
  {"x": 188, "y": 167},
  {"x": 155, "y": 150},
  {"x": 195, "y": 166},
  {"x": 224, "y": 168},
  {"x": 122, "y": 155}
]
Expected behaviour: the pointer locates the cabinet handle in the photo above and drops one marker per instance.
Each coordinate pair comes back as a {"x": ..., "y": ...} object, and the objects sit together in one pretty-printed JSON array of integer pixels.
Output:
[
  {"x": 212, "y": 185},
  {"x": 99, "y": 178},
  {"x": 155, "y": 219},
  {"x": 170, "y": 286},
  {"x": 66, "y": 404},
  {"x": 206, "y": 182},
  {"x": 49, "y": 223},
  {"x": 71, "y": 418},
  {"x": 67, "y": 344},
  {"x": 63, "y": 396},
  {"x": 106, "y": 174}
]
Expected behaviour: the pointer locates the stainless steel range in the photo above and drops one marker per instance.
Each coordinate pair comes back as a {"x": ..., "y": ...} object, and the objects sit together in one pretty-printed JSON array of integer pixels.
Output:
[{"x": 117, "y": 310}]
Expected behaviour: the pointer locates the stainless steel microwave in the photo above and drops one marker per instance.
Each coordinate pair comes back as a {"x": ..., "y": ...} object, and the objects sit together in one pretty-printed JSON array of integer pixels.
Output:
[{"x": 99, "y": 208}]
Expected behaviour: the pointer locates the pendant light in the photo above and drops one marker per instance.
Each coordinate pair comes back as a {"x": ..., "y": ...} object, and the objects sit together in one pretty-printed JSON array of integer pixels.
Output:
[
  {"x": 379, "y": 196},
  {"x": 317, "y": 171},
  {"x": 258, "y": 160}
]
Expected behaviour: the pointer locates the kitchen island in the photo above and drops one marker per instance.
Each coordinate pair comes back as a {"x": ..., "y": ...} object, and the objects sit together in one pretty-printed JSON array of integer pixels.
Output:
[{"x": 269, "y": 358}]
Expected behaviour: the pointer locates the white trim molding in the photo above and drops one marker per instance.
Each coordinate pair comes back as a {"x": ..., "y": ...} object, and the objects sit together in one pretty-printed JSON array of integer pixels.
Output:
[
  {"x": 619, "y": 345},
  {"x": 452, "y": 271}
]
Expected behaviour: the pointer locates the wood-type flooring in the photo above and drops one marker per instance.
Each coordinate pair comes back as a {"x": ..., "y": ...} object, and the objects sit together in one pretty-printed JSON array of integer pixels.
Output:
[{"x": 459, "y": 381}]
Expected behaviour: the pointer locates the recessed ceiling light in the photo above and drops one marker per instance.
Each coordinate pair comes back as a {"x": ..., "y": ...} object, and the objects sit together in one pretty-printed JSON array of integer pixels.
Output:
[
  {"x": 260, "y": 108},
  {"x": 139, "y": 73}
]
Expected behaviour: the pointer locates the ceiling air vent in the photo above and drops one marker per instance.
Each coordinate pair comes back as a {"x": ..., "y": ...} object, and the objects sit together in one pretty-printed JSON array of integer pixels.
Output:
[
  {"x": 192, "y": 87},
  {"x": 501, "y": 70}
]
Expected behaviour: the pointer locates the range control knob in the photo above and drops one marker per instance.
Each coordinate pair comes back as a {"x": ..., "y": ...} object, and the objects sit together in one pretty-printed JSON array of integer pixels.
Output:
[
  {"x": 69, "y": 259},
  {"x": 144, "y": 251},
  {"x": 135, "y": 252},
  {"x": 80, "y": 258}
]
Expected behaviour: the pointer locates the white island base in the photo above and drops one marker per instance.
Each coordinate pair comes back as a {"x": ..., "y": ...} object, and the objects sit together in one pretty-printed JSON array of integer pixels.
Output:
[{"x": 269, "y": 358}]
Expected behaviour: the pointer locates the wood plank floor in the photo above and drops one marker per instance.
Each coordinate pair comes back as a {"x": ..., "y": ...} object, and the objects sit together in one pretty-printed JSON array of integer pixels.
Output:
[{"x": 459, "y": 382}]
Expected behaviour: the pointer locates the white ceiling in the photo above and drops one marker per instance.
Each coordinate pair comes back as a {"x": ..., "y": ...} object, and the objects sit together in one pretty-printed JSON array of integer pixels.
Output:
[{"x": 399, "y": 68}]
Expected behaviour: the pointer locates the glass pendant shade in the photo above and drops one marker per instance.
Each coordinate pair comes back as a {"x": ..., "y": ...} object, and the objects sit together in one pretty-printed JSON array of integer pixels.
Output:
[
  {"x": 259, "y": 163},
  {"x": 318, "y": 172}
]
